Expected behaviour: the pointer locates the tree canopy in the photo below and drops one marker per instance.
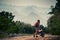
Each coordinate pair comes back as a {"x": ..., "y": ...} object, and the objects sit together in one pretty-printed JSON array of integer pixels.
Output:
[
  {"x": 6, "y": 20},
  {"x": 54, "y": 21}
]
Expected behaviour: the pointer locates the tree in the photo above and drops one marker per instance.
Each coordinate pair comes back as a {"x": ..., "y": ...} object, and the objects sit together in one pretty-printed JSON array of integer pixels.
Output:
[
  {"x": 54, "y": 21},
  {"x": 6, "y": 21}
]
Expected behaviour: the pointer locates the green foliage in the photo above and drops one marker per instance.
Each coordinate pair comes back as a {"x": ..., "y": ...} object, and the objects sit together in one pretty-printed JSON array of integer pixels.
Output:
[
  {"x": 56, "y": 9},
  {"x": 6, "y": 21},
  {"x": 46, "y": 30},
  {"x": 54, "y": 21},
  {"x": 28, "y": 30},
  {"x": 54, "y": 25},
  {"x": 24, "y": 28}
]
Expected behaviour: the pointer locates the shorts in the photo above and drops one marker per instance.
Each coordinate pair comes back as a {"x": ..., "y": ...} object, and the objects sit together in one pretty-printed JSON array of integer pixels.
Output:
[{"x": 36, "y": 29}]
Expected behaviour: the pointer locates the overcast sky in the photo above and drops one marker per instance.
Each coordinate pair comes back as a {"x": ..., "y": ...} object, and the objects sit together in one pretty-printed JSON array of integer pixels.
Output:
[{"x": 28, "y": 11}]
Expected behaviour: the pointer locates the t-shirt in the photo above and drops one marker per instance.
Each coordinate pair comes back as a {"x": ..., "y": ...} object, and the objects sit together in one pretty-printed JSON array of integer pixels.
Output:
[{"x": 36, "y": 24}]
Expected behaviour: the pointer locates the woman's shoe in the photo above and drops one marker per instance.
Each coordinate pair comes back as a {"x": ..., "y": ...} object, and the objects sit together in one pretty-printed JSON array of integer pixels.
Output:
[
  {"x": 36, "y": 36},
  {"x": 33, "y": 35}
]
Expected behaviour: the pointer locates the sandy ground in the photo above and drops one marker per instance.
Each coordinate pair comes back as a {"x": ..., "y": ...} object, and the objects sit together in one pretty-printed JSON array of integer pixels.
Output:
[
  {"x": 30, "y": 37},
  {"x": 23, "y": 38}
]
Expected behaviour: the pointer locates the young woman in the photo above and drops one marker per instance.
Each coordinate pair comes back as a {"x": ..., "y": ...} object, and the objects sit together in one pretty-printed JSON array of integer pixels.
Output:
[{"x": 36, "y": 25}]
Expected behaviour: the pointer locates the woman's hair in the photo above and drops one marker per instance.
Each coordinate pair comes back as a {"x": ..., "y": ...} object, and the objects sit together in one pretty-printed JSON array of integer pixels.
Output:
[{"x": 38, "y": 20}]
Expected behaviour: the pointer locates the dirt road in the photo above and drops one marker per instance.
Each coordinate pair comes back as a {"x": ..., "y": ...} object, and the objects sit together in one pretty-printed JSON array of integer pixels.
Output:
[{"x": 30, "y": 37}]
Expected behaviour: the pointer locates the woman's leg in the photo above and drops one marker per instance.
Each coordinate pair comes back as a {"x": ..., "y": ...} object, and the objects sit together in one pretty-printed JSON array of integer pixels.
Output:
[{"x": 36, "y": 32}]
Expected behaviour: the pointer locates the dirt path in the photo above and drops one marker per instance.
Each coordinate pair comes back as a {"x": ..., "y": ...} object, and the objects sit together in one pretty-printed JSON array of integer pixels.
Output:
[
  {"x": 22, "y": 38},
  {"x": 30, "y": 37}
]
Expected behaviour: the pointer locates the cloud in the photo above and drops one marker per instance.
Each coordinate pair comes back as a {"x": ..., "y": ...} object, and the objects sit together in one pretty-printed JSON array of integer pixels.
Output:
[
  {"x": 41, "y": 3},
  {"x": 28, "y": 11}
]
